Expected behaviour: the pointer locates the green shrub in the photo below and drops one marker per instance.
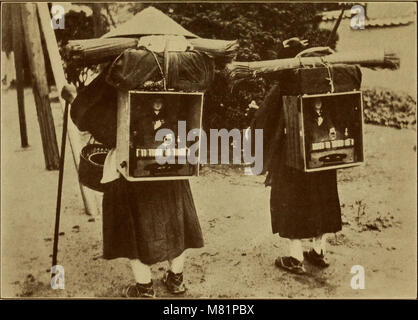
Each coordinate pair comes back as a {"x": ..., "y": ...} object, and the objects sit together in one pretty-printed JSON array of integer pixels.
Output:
[{"x": 388, "y": 108}]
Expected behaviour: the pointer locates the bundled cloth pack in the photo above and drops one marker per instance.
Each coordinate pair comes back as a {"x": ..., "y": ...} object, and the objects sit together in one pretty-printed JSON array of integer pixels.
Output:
[
  {"x": 183, "y": 71},
  {"x": 95, "y": 110},
  {"x": 95, "y": 107},
  {"x": 317, "y": 80}
]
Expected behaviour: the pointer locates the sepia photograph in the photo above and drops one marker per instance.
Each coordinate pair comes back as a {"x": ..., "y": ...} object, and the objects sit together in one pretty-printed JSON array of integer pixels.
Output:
[{"x": 208, "y": 150}]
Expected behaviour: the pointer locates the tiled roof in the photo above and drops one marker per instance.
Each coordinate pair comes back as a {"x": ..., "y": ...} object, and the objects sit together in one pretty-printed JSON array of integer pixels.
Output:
[
  {"x": 333, "y": 15},
  {"x": 380, "y": 14},
  {"x": 389, "y": 22}
]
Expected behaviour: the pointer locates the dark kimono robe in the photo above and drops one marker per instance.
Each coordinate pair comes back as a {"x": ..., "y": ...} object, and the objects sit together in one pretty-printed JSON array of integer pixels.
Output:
[
  {"x": 149, "y": 221},
  {"x": 302, "y": 205}
]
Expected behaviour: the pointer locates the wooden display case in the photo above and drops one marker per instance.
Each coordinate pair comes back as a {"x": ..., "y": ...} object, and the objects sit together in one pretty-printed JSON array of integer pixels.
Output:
[
  {"x": 324, "y": 131},
  {"x": 138, "y": 123}
]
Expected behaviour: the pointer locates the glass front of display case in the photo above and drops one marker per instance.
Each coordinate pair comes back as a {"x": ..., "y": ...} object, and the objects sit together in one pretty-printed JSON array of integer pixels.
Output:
[
  {"x": 159, "y": 124},
  {"x": 332, "y": 129}
]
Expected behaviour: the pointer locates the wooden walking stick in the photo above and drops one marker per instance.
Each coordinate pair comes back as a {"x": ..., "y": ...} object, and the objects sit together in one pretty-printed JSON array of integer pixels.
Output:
[{"x": 68, "y": 94}]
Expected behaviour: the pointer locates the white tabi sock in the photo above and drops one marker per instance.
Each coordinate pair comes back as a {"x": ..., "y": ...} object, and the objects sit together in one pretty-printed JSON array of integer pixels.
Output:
[
  {"x": 176, "y": 265},
  {"x": 320, "y": 244},
  {"x": 141, "y": 271},
  {"x": 295, "y": 249}
]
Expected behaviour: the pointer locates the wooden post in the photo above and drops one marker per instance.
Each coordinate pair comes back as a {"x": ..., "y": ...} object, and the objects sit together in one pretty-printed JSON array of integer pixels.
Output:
[
  {"x": 97, "y": 20},
  {"x": 40, "y": 84},
  {"x": 18, "y": 51},
  {"x": 91, "y": 204}
]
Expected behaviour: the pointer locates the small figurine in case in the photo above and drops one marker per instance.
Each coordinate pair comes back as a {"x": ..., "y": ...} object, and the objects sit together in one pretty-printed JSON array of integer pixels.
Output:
[
  {"x": 319, "y": 125},
  {"x": 327, "y": 139},
  {"x": 156, "y": 116},
  {"x": 148, "y": 122}
]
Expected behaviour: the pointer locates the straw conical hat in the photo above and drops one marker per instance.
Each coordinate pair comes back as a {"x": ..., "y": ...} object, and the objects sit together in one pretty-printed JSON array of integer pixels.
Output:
[{"x": 149, "y": 21}]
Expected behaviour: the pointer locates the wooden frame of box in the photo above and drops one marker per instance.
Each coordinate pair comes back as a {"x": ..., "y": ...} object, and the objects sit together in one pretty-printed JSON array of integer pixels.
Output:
[
  {"x": 311, "y": 143},
  {"x": 136, "y": 148}
]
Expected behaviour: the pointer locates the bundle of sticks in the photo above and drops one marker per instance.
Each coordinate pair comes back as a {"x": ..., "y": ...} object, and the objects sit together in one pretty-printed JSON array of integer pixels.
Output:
[
  {"x": 370, "y": 58},
  {"x": 95, "y": 51}
]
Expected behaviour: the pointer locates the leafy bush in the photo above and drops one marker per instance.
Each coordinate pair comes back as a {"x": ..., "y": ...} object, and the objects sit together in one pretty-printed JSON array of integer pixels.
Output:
[{"x": 388, "y": 108}]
